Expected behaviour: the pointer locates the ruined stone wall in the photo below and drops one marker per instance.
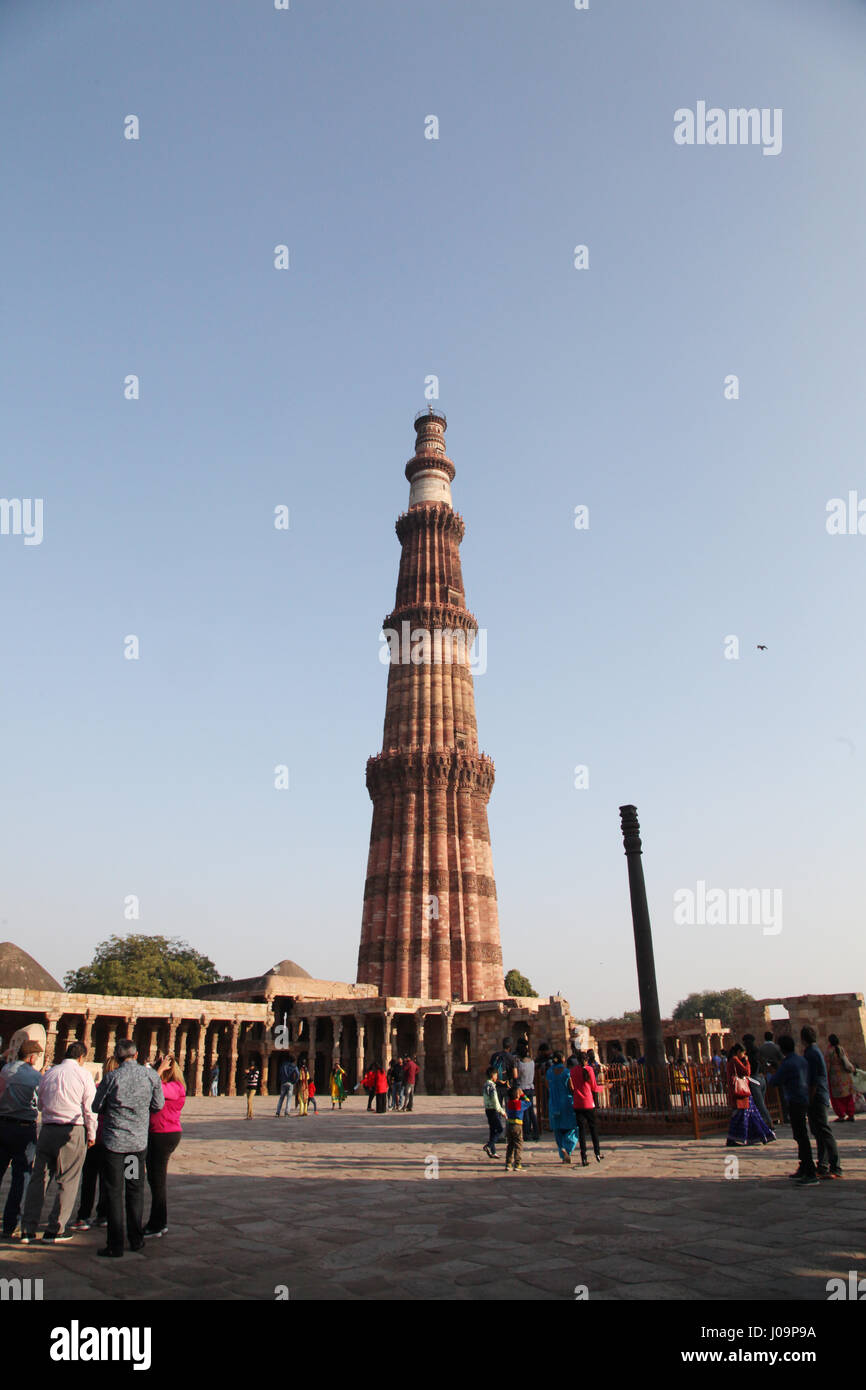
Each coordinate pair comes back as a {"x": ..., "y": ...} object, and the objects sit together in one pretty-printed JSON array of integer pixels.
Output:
[
  {"x": 288, "y": 986},
  {"x": 541, "y": 1020},
  {"x": 843, "y": 1014},
  {"x": 694, "y": 1038}
]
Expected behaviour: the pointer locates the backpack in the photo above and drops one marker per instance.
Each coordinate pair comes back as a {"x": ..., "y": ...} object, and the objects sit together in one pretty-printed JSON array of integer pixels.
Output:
[{"x": 500, "y": 1064}]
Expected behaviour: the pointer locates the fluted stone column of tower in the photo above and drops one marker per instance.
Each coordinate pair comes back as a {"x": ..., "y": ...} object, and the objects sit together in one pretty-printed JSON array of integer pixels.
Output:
[{"x": 430, "y": 926}]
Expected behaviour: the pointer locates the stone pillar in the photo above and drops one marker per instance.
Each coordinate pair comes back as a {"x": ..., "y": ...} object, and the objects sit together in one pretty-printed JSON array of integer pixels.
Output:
[
  {"x": 474, "y": 1057},
  {"x": 337, "y": 1027},
  {"x": 129, "y": 1024},
  {"x": 420, "y": 1058},
  {"x": 51, "y": 1022},
  {"x": 86, "y": 1034},
  {"x": 389, "y": 1034},
  {"x": 216, "y": 1054},
  {"x": 447, "y": 1025},
  {"x": 362, "y": 1038},
  {"x": 231, "y": 1088},
  {"x": 180, "y": 1042},
  {"x": 172, "y": 1034},
  {"x": 199, "y": 1057},
  {"x": 310, "y": 1045}
]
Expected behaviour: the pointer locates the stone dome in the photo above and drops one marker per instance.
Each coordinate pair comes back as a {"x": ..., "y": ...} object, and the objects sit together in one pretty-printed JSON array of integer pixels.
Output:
[
  {"x": 20, "y": 971},
  {"x": 288, "y": 967}
]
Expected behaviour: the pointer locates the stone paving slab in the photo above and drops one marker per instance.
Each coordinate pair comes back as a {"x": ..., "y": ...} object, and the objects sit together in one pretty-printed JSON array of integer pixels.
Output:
[{"x": 342, "y": 1206}]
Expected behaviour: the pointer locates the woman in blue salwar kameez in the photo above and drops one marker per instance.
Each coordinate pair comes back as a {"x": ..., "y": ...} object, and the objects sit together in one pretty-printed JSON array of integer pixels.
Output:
[{"x": 560, "y": 1107}]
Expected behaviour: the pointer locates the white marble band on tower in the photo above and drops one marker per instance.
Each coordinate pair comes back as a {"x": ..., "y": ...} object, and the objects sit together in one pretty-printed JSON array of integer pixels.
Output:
[{"x": 430, "y": 486}]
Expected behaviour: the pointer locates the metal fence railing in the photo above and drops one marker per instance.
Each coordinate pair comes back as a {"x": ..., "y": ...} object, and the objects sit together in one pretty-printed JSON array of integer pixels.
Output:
[{"x": 681, "y": 1096}]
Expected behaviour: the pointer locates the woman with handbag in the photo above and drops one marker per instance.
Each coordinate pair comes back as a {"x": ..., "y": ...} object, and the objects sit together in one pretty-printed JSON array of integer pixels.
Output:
[
  {"x": 840, "y": 1072},
  {"x": 746, "y": 1125}
]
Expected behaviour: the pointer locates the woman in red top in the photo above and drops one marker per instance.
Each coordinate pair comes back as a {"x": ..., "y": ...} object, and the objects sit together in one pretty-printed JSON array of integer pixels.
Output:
[
  {"x": 585, "y": 1089},
  {"x": 369, "y": 1086},
  {"x": 746, "y": 1125},
  {"x": 162, "y": 1141},
  {"x": 380, "y": 1083}
]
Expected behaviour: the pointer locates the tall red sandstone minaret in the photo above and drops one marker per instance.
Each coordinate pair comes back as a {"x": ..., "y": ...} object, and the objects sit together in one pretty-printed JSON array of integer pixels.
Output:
[{"x": 430, "y": 927}]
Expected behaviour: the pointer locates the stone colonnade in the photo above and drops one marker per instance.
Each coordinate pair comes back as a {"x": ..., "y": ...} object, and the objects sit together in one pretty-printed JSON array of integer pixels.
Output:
[
  {"x": 451, "y": 1042},
  {"x": 198, "y": 1033}
]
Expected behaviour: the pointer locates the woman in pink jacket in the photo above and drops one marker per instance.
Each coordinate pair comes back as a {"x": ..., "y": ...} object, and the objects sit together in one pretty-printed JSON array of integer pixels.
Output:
[
  {"x": 162, "y": 1141},
  {"x": 585, "y": 1088}
]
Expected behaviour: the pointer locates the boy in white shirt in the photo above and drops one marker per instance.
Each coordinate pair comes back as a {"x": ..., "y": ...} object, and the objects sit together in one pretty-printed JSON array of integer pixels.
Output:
[{"x": 494, "y": 1111}]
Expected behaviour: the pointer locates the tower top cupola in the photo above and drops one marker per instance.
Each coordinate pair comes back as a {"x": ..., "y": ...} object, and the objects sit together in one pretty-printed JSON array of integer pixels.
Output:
[{"x": 429, "y": 470}]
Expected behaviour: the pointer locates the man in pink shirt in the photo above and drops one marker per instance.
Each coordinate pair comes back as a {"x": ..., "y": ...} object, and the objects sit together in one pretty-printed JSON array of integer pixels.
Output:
[
  {"x": 68, "y": 1130},
  {"x": 410, "y": 1077}
]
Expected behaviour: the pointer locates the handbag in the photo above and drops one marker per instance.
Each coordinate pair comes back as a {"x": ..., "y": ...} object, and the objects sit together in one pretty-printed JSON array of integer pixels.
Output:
[
  {"x": 858, "y": 1079},
  {"x": 741, "y": 1086}
]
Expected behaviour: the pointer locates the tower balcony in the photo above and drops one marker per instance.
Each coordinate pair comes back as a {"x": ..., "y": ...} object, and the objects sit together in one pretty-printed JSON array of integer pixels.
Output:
[{"x": 416, "y": 768}]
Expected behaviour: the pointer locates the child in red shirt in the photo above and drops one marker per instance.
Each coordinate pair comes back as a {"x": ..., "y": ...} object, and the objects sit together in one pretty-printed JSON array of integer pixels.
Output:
[{"x": 515, "y": 1104}]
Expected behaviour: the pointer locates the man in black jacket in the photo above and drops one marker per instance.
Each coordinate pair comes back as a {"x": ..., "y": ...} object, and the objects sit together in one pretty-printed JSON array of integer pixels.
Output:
[{"x": 288, "y": 1080}]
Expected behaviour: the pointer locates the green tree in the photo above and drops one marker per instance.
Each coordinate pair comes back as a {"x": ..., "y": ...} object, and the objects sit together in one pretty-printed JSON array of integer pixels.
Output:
[
  {"x": 158, "y": 966},
  {"x": 518, "y": 986},
  {"x": 718, "y": 1003}
]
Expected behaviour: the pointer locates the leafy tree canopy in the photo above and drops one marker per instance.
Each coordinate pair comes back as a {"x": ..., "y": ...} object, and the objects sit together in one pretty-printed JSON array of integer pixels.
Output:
[
  {"x": 518, "y": 986},
  {"x": 159, "y": 966},
  {"x": 718, "y": 1003}
]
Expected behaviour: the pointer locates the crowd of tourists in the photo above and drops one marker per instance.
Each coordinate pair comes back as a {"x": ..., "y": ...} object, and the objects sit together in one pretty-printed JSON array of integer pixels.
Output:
[
  {"x": 509, "y": 1096},
  {"x": 393, "y": 1089},
  {"x": 98, "y": 1143},
  {"x": 807, "y": 1083}
]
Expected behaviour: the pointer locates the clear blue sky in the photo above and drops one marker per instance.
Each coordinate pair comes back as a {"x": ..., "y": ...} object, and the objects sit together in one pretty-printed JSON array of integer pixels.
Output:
[{"x": 601, "y": 387}]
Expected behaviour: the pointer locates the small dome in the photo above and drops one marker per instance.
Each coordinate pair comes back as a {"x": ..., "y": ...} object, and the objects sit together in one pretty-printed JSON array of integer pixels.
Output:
[
  {"x": 20, "y": 971},
  {"x": 288, "y": 967}
]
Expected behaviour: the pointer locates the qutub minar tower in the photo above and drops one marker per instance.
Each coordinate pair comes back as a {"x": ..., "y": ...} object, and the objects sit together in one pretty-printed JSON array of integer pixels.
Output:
[{"x": 430, "y": 928}]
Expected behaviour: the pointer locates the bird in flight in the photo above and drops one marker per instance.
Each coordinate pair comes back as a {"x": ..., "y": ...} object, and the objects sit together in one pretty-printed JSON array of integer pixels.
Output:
[{"x": 761, "y": 648}]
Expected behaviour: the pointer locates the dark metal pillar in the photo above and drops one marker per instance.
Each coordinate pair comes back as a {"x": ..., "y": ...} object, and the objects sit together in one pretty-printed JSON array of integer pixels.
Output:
[{"x": 651, "y": 1023}]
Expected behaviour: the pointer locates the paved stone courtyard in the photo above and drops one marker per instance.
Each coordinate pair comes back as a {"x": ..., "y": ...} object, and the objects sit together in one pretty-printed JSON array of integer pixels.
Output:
[{"x": 339, "y": 1206}]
